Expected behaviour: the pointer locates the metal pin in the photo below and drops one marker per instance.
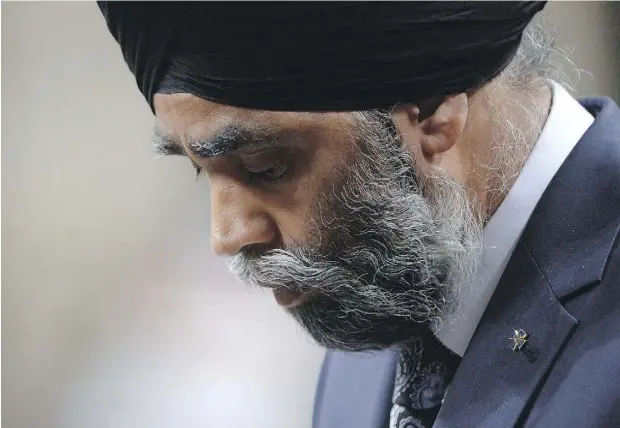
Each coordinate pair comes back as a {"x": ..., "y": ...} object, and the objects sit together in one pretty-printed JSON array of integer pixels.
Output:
[{"x": 519, "y": 339}]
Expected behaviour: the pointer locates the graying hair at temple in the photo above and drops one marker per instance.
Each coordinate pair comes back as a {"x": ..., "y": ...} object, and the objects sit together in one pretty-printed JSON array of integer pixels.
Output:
[{"x": 538, "y": 59}]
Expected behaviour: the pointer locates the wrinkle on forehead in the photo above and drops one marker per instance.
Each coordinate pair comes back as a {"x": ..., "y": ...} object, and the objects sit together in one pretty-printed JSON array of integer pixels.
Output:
[
  {"x": 176, "y": 114},
  {"x": 186, "y": 115}
]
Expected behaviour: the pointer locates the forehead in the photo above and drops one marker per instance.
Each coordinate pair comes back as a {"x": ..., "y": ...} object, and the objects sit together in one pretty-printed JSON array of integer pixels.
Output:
[{"x": 185, "y": 115}]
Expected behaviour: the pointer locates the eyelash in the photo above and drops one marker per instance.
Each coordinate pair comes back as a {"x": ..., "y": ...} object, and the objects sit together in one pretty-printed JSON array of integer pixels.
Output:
[
  {"x": 263, "y": 177},
  {"x": 273, "y": 174}
]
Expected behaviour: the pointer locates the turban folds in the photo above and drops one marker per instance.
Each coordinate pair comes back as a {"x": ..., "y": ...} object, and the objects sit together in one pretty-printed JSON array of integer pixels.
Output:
[{"x": 316, "y": 56}]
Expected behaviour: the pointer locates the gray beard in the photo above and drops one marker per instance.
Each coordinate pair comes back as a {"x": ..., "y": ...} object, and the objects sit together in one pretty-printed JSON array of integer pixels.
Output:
[{"x": 398, "y": 249}]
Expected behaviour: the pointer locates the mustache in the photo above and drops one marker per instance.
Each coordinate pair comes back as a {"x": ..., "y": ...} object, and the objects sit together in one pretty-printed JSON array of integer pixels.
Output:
[
  {"x": 294, "y": 269},
  {"x": 305, "y": 270}
]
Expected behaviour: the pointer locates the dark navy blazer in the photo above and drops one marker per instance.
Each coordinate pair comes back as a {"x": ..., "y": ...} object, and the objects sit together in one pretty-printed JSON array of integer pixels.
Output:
[{"x": 561, "y": 285}]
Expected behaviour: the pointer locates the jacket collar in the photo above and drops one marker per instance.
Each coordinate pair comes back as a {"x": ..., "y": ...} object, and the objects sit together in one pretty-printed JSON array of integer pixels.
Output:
[{"x": 571, "y": 242}]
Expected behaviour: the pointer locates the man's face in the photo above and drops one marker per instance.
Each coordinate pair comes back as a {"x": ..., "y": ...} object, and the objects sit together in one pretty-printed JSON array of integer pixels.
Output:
[{"x": 359, "y": 242}]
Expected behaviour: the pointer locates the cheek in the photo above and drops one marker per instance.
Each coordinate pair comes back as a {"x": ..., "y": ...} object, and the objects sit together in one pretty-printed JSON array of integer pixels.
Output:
[
  {"x": 308, "y": 211},
  {"x": 300, "y": 219}
]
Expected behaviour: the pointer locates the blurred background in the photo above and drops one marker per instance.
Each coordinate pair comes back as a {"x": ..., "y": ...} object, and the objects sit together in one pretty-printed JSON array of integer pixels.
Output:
[{"x": 114, "y": 311}]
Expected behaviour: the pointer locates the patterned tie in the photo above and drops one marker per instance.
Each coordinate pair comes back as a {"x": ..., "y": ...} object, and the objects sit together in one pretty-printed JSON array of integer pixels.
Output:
[{"x": 424, "y": 371}]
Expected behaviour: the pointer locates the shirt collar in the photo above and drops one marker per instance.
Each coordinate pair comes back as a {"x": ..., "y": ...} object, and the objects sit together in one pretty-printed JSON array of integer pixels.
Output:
[{"x": 566, "y": 123}]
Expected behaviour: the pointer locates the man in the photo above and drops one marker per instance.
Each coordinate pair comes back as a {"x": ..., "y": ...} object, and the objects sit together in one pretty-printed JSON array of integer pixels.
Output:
[{"x": 410, "y": 181}]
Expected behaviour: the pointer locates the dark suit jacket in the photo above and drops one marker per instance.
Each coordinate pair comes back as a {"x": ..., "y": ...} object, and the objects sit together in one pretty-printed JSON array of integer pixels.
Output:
[{"x": 561, "y": 285}]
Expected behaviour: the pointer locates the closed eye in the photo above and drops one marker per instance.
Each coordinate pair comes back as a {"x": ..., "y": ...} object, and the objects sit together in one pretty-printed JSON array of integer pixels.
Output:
[
  {"x": 267, "y": 166},
  {"x": 272, "y": 174},
  {"x": 259, "y": 167}
]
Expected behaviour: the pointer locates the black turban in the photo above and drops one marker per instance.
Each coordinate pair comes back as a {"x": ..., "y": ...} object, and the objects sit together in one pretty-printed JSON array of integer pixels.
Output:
[{"x": 316, "y": 56}]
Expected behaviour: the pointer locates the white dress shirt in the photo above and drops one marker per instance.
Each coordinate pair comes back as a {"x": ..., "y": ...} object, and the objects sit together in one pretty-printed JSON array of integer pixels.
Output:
[{"x": 565, "y": 125}]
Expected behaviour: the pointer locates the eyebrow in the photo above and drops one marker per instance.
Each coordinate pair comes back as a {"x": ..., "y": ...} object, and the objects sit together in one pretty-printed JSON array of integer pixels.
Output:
[
  {"x": 165, "y": 145},
  {"x": 231, "y": 139}
]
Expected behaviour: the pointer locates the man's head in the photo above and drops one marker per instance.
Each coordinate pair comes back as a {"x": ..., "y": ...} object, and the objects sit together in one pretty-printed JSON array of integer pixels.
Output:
[
  {"x": 331, "y": 211},
  {"x": 366, "y": 223}
]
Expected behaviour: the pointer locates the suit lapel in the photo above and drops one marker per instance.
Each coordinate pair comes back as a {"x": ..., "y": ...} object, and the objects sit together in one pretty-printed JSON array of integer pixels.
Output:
[
  {"x": 493, "y": 383},
  {"x": 357, "y": 390}
]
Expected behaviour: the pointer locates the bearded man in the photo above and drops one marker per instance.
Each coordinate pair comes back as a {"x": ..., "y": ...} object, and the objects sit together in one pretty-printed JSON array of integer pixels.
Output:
[{"x": 410, "y": 179}]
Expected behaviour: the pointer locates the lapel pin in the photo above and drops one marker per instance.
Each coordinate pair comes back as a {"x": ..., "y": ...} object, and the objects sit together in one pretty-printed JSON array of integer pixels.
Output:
[
  {"x": 519, "y": 339},
  {"x": 520, "y": 342}
]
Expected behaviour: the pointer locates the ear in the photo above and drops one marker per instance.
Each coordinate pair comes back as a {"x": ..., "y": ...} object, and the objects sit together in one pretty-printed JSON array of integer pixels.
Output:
[{"x": 435, "y": 129}]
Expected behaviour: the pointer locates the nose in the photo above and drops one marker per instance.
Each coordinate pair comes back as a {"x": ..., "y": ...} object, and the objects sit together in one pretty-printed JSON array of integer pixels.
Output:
[{"x": 238, "y": 219}]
